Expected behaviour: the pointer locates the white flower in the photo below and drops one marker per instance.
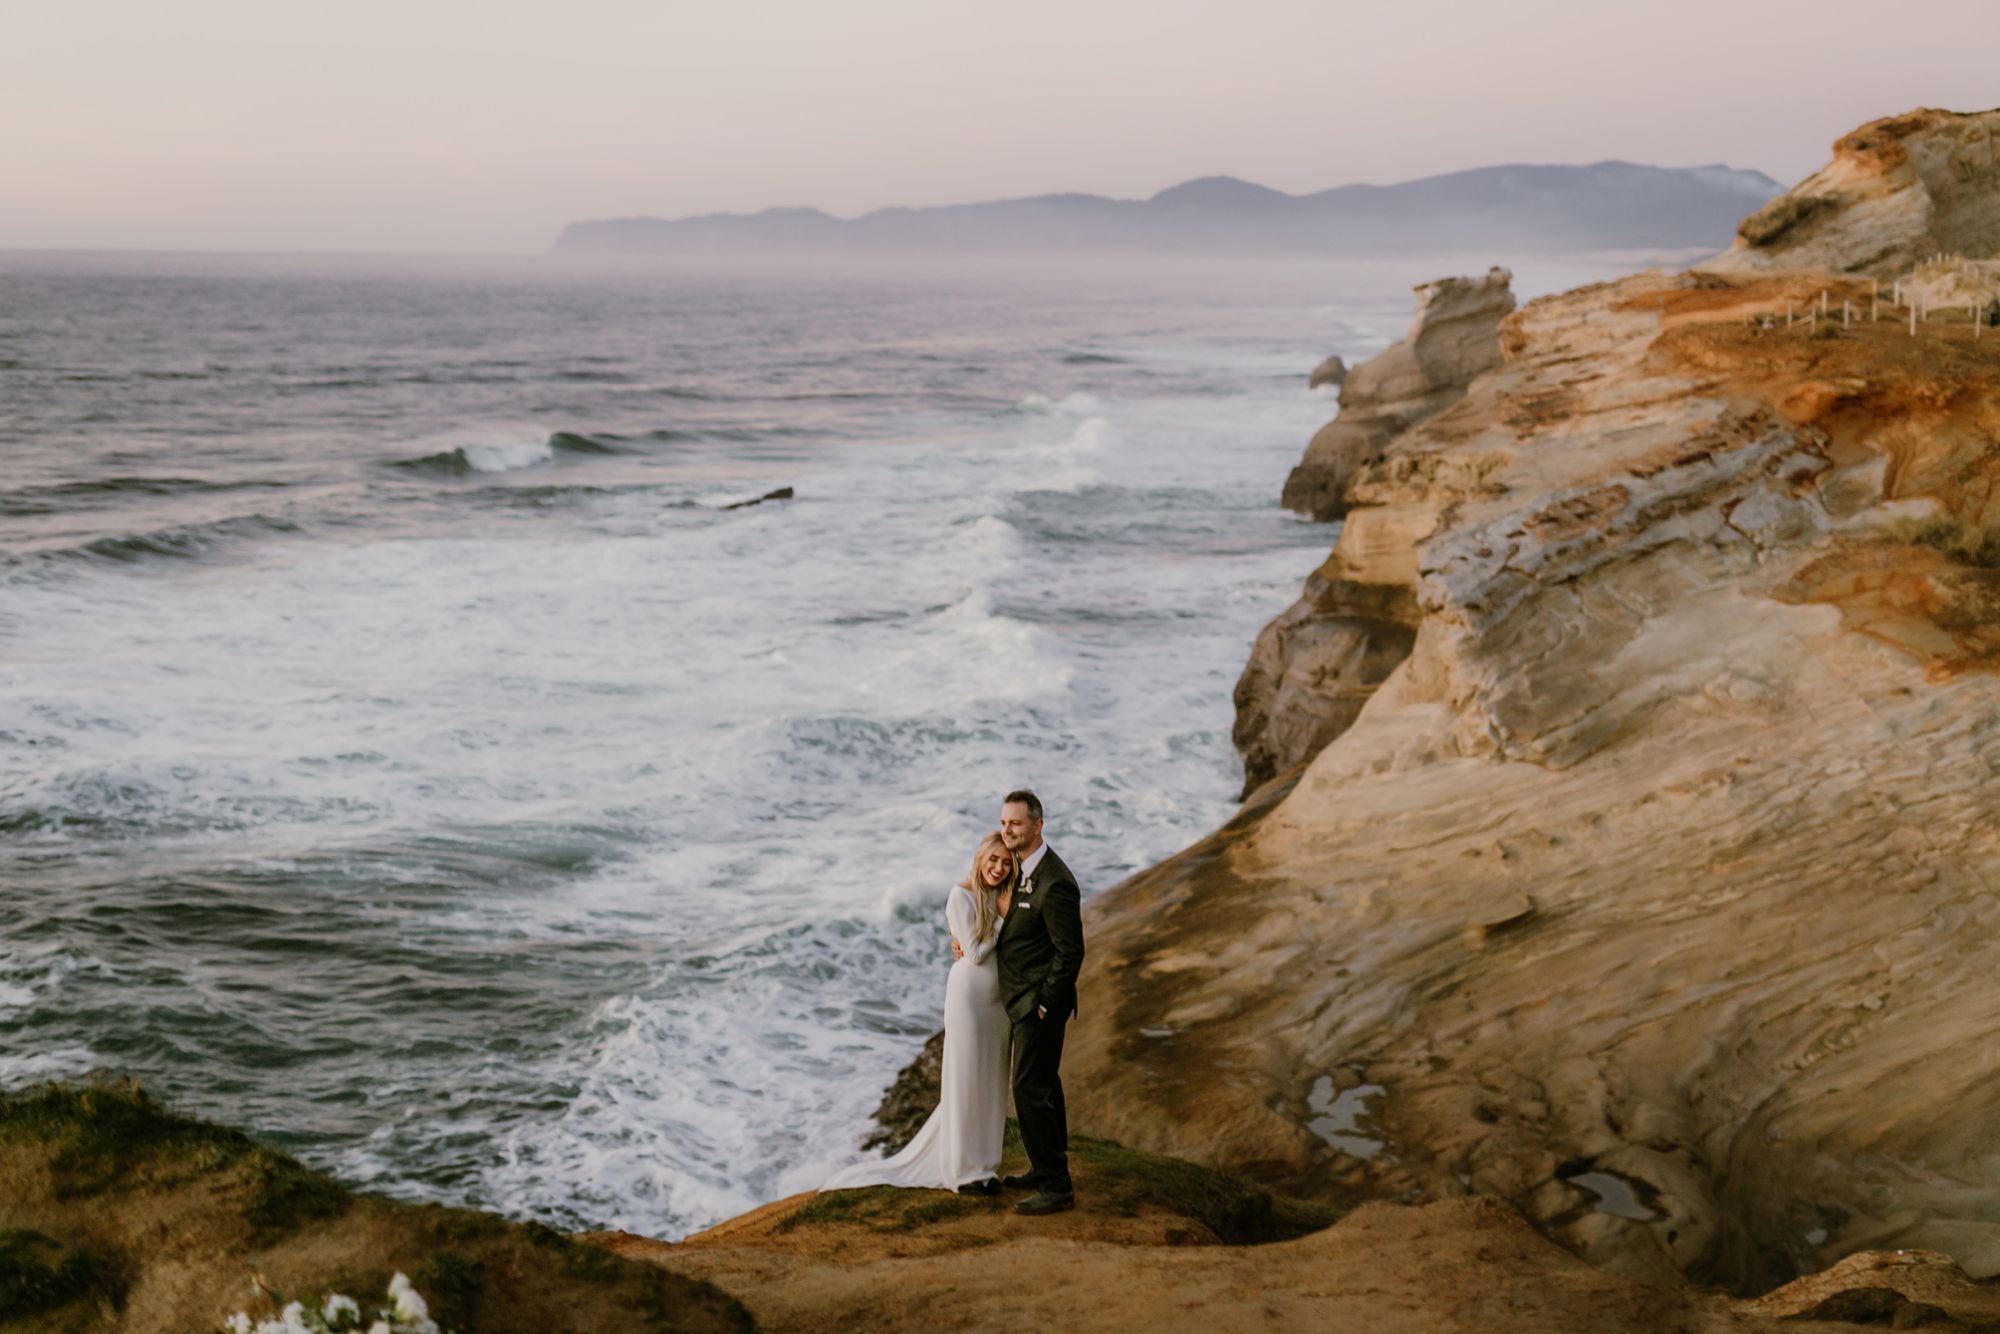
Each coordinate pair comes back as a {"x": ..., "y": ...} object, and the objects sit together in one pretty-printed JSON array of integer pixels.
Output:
[
  {"x": 338, "y": 1307},
  {"x": 238, "y": 1323},
  {"x": 409, "y": 1306},
  {"x": 380, "y": 1327}
]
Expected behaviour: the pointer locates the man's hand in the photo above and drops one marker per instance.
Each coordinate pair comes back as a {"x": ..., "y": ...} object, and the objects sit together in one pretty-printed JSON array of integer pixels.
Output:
[
  {"x": 957, "y": 950},
  {"x": 1041, "y": 1012}
]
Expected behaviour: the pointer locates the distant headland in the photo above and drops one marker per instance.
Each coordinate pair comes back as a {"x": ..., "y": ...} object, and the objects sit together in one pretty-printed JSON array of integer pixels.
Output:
[{"x": 1514, "y": 208}]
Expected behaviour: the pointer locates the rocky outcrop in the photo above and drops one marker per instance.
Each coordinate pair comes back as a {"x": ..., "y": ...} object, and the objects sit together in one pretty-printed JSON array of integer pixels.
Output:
[
  {"x": 1315, "y": 666},
  {"x": 1897, "y": 190},
  {"x": 118, "y": 1215},
  {"x": 909, "y": 1101},
  {"x": 1454, "y": 337},
  {"x": 1155, "y": 1243},
  {"x": 1332, "y": 371},
  {"x": 1653, "y": 890}
]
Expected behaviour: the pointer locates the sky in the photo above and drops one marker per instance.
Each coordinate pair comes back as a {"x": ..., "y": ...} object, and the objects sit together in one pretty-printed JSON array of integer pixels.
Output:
[{"x": 435, "y": 125}]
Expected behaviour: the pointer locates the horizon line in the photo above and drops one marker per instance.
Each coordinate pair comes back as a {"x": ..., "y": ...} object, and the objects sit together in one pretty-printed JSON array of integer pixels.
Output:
[{"x": 1191, "y": 180}]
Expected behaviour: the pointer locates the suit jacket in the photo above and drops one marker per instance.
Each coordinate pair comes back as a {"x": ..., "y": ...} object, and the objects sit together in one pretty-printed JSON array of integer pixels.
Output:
[{"x": 1040, "y": 949}]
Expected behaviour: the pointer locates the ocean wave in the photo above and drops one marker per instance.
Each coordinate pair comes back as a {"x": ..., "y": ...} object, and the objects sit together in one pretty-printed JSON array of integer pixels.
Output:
[
  {"x": 61, "y": 496},
  {"x": 65, "y": 1062},
  {"x": 156, "y": 802},
  {"x": 1075, "y": 405},
  {"x": 467, "y": 459},
  {"x": 1092, "y": 359},
  {"x": 574, "y": 442},
  {"x": 177, "y": 543},
  {"x": 510, "y": 455},
  {"x": 665, "y": 1133}
]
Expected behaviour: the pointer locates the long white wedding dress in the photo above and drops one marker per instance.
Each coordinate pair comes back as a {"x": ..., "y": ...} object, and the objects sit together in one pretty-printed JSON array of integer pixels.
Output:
[{"x": 960, "y": 1143}]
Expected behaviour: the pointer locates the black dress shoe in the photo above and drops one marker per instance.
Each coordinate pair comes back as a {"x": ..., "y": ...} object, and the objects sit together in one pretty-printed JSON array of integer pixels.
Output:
[
  {"x": 1047, "y": 1202},
  {"x": 990, "y": 1186},
  {"x": 1025, "y": 1181}
]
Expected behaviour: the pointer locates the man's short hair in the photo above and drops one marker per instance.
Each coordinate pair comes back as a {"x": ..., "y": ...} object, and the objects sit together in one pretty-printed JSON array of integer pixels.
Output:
[{"x": 1025, "y": 798}]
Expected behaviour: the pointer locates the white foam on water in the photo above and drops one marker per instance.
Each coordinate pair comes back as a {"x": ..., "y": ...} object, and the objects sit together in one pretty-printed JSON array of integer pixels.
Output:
[
  {"x": 507, "y": 455},
  {"x": 776, "y": 733},
  {"x": 67, "y": 1061}
]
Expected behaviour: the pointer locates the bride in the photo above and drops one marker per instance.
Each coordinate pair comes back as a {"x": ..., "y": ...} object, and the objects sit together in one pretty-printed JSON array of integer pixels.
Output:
[{"x": 959, "y": 1146}]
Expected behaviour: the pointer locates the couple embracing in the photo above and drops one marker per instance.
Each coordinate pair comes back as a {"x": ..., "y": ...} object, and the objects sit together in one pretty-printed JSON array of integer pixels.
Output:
[{"x": 1017, "y": 938}]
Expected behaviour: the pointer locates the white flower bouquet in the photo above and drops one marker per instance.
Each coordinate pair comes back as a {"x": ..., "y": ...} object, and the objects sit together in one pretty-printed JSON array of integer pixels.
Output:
[{"x": 407, "y": 1313}]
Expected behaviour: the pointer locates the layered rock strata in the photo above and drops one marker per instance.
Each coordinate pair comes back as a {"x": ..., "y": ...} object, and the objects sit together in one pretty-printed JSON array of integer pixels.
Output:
[
  {"x": 1314, "y": 666},
  {"x": 1453, "y": 338},
  {"x": 1897, "y": 191},
  {"x": 1652, "y": 890}
]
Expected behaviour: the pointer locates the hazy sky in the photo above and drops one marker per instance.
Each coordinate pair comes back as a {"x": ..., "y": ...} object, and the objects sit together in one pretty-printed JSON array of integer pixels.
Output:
[{"x": 425, "y": 125}]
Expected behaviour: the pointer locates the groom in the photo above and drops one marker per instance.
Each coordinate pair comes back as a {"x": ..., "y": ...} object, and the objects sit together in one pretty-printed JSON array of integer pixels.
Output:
[{"x": 1040, "y": 951}]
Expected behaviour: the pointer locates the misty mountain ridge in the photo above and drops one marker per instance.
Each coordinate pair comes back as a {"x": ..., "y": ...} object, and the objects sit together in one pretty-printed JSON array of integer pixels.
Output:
[{"x": 1521, "y": 208}]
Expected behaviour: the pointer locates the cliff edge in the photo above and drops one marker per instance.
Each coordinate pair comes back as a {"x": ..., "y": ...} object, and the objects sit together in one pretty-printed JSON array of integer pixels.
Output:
[
  {"x": 1633, "y": 863},
  {"x": 1898, "y": 189}
]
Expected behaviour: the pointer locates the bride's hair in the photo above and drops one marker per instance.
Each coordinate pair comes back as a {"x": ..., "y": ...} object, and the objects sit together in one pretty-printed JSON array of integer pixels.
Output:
[{"x": 985, "y": 898}]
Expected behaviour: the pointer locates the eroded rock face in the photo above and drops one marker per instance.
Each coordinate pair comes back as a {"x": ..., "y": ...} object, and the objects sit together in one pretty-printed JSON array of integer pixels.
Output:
[
  {"x": 1897, "y": 190},
  {"x": 909, "y": 1102},
  {"x": 1653, "y": 891},
  {"x": 1332, "y": 371},
  {"x": 1454, "y": 337},
  {"x": 1315, "y": 665}
]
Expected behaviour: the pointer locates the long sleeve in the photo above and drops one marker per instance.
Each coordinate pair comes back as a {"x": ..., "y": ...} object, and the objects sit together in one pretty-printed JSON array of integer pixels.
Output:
[
  {"x": 1062, "y": 916},
  {"x": 958, "y": 916}
]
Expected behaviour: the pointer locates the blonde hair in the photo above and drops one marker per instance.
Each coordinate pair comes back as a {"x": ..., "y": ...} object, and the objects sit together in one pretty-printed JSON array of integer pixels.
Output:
[{"x": 986, "y": 898}]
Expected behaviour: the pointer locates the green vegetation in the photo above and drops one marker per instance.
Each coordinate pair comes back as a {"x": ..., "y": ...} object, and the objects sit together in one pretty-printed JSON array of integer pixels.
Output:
[
  {"x": 662, "y": 1304},
  {"x": 1109, "y": 1177},
  {"x": 186, "y": 1206},
  {"x": 100, "y": 1132},
  {"x": 888, "y": 1208},
  {"x": 451, "y": 1284},
  {"x": 1234, "y": 1210},
  {"x": 281, "y": 1194},
  {"x": 39, "y": 1273}
]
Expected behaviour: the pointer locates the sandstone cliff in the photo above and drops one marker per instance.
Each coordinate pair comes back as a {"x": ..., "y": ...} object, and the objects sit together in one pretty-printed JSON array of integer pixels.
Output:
[
  {"x": 1454, "y": 337},
  {"x": 1313, "y": 667},
  {"x": 1646, "y": 881},
  {"x": 1897, "y": 190}
]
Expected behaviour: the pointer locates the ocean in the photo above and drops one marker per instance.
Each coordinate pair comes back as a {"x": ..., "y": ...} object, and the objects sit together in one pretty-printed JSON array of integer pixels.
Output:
[{"x": 415, "y": 752}]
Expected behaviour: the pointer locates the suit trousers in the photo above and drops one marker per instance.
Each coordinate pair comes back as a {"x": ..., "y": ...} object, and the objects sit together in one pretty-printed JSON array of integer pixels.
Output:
[{"x": 1038, "y": 1097}]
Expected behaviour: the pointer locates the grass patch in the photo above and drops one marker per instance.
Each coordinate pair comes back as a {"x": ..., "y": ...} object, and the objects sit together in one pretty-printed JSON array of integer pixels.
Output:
[
  {"x": 281, "y": 1194},
  {"x": 836, "y": 1206},
  {"x": 39, "y": 1273},
  {"x": 1238, "y": 1212},
  {"x": 100, "y": 1130},
  {"x": 887, "y": 1209},
  {"x": 663, "y": 1301},
  {"x": 449, "y": 1224},
  {"x": 451, "y": 1284},
  {"x": 1109, "y": 1178},
  {"x": 941, "y": 1208},
  {"x": 1963, "y": 543}
]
